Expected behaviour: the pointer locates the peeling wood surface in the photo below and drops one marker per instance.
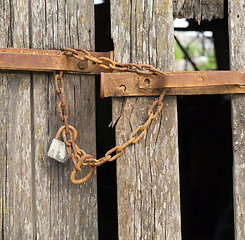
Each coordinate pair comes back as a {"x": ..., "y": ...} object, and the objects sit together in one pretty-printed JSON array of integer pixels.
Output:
[
  {"x": 37, "y": 199},
  {"x": 199, "y": 9},
  {"x": 148, "y": 172},
  {"x": 237, "y": 56},
  {"x": 177, "y": 6}
]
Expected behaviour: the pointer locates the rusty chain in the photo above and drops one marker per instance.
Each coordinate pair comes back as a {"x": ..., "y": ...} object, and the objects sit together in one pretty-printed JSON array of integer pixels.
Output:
[
  {"x": 108, "y": 63},
  {"x": 79, "y": 156}
]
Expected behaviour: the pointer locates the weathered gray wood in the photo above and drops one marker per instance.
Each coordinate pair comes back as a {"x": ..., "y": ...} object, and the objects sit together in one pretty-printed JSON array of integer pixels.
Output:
[
  {"x": 177, "y": 6},
  {"x": 148, "y": 172},
  {"x": 4, "y": 123},
  {"x": 199, "y": 9},
  {"x": 3, "y": 137},
  {"x": 67, "y": 215},
  {"x": 18, "y": 221},
  {"x": 15, "y": 162},
  {"x": 237, "y": 59},
  {"x": 37, "y": 200},
  {"x": 16, "y": 176}
]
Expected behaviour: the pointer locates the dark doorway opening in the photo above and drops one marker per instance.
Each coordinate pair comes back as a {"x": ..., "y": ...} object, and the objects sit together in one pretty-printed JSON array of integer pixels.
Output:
[
  {"x": 205, "y": 150},
  {"x": 105, "y": 139}
]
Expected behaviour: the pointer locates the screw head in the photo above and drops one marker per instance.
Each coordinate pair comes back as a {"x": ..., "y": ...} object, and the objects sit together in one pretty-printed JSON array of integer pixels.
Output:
[
  {"x": 83, "y": 64},
  {"x": 200, "y": 79}
]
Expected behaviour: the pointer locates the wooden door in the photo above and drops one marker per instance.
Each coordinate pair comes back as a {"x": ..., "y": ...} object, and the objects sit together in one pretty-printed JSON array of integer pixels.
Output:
[{"x": 37, "y": 199}]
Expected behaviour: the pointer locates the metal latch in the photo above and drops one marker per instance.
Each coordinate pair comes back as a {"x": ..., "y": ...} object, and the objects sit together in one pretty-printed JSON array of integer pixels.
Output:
[
  {"x": 49, "y": 60},
  {"x": 145, "y": 80},
  {"x": 178, "y": 83},
  {"x": 117, "y": 79}
]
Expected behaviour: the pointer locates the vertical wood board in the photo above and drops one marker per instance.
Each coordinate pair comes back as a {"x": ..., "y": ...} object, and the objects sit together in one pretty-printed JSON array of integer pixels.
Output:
[
  {"x": 37, "y": 199},
  {"x": 16, "y": 176},
  {"x": 147, "y": 172},
  {"x": 61, "y": 24},
  {"x": 236, "y": 17}
]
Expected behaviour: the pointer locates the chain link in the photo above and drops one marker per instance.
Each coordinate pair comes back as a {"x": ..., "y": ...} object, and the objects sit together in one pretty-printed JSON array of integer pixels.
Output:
[
  {"x": 108, "y": 63},
  {"x": 62, "y": 108},
  {"x": 79, "y": 156}
]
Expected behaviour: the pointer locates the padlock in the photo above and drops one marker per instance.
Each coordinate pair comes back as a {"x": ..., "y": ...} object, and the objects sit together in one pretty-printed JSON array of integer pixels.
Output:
[{"x": 57, "y": 148}]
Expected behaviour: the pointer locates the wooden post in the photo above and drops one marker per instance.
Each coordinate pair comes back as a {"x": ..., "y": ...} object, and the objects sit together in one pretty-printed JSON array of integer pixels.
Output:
[
  {"x": 37, "y": 199},
  {"x": 236, "y": 17},
  {"x": 147, "y": 172}
]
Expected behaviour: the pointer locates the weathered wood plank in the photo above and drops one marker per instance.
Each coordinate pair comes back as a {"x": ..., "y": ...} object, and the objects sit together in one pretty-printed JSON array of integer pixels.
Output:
[
  {"x": 64, "y": 210},
  {"x": 3, "y": 140},
  {"x": 4, "y": 15},
  {"x": 177, "y": 6},
  {"x": 16, "y": 197},
  {"x": 237, "y": 59},
  {"x": 148, "y": 172},
  {"x": 37, "y": 199},
  {"x": 199, "y": 9}
]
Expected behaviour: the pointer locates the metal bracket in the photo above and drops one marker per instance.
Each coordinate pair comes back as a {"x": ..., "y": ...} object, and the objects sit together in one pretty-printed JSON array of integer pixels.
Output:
[
  {"x": 48, "y": 61},
  {"x": 179, "y": 83}
]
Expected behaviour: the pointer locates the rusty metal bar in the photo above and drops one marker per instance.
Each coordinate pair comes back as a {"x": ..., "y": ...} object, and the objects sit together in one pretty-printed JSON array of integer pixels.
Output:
[
  {"x": 47, "y": 61},
  {"x": 124, "y": 83},
  {"x": 179, "y": 83}
]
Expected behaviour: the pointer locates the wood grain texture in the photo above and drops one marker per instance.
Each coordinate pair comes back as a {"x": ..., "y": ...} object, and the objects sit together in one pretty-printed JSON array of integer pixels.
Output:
[
  {"x": 148, "y": 172},
  {"x": 237, "y": 59},
  {"x": 4, "y": 120},
  {"x": 37, "y": 200},
  {"x": 16, "y": 177},
  {"x": 64, "y": 210},
  {"x": 177, "y": 6},
  {"x": 199, "y": 9},
  {"x": 3, "y": 140}
]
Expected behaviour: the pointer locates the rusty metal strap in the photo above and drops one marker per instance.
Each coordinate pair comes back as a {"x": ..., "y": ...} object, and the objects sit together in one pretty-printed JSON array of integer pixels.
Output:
[
  {"x": 178, "y": 83},
  {"x": 48, "y": 61},
  {"x": 145, "y": 81}
]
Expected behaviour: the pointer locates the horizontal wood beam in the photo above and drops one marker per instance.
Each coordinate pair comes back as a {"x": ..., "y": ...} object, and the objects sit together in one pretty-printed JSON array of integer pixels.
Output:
[{"x": 199, "y": 10}]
